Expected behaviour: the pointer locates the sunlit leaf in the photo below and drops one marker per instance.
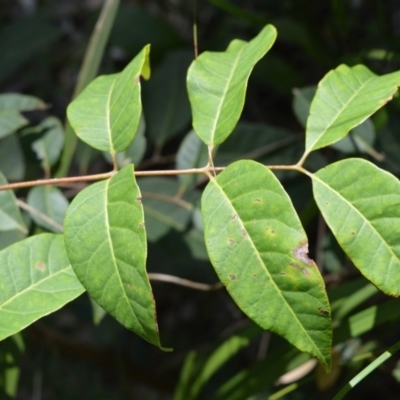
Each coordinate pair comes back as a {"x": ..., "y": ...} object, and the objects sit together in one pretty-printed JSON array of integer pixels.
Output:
[
  {"x": 36, "y": 279},
  {"x": 105, "y": 239},
  {"x": 106, "y": 114},
  {"x": 217, "y": 85},
  {"x": 47, "y": 207},
  {"x": 346, "y": 97},
  {"x": 360, "y": 203},
  {"x": 259, "y": 249},
  {"x": 10, "y": 216}
]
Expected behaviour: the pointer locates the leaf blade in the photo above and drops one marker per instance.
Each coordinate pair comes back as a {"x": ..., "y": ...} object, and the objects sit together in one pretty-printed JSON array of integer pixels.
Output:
[
  {"x": 111, "y": 264},
  {"x": 36, "y": 279},
  {"x": 358, "y": 214},
  {"x": 216, "y": 84},
  {"x": 346, "y": 97},
  {"x": 281, "y": 285}
]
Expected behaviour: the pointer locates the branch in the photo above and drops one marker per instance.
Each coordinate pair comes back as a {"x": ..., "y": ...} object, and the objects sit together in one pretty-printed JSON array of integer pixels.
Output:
[{"x": 184, "y": 282}]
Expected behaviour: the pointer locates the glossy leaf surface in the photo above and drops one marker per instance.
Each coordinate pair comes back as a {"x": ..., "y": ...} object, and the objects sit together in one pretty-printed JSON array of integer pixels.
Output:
[
  {"x": 259, "y": 250},
  {"x": 107, "y": 112},
  {"x": 217, "y": 83},
  {"x": 106, "y": 243},
  {"x": 346, "y": 97},
  {"x": 361, "y": 205},
  {"x": 36, "y": 279}
]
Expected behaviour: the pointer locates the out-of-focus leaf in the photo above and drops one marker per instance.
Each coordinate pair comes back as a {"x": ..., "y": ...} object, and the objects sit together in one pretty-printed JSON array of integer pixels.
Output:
[
  {"x": 36, "y": 279},
  {"x": 49, "y": 206},
  {"x": 165, "y": 100},
  {"x": 23, "y": 40},
  {"x": 389, "y": 143},
  {"x": 11, "y": 106},
  {"x": 192, "y": 153},
  {"x": 302, "y": 98},
  {"x": 49, "y": 146},
  {"x": 10, "y": 216},
  {"x": 112, "y": 264},
  {"x": 259, "y": 250},
  {"x": 12, "y": 163},
  {"x": 163, "y": 209},
  {"x": 217, "y": 82},
  {"x": 195, "y": 241},
  {"x": 360, "y": 203},
  {"x": 107, "y": 112},
  {"x": 135, "y": 151}
]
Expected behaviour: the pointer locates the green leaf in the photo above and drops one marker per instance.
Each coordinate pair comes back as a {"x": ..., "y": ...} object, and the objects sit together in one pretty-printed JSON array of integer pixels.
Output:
[
  {"x": 360, "y": 203},
  {"x": 11, "y": 105},
  {"x": 259, "y": 250},
  {"x": 36, "y": 279},
  {"x": 48, "y": 206},
  {"x": 168, "y": 113},
  {"x": 346, "y": 97},
  {"x": 49, "y": 146},
  {"x": 163, "y": 207},
  {"x": 12, "y": 163},
  {"x": 134, "y": 152},
  {"x": 217, "y": 83},
  {"x": 192, "y": 153},
  {"x": 106, "y": 244},
  {"x": 10, "y": 216},
  {"x": 106, "y": 113}
]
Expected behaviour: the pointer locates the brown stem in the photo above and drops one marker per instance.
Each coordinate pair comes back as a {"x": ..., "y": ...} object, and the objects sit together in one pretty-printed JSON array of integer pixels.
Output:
[{"x": 184, "y": 282}]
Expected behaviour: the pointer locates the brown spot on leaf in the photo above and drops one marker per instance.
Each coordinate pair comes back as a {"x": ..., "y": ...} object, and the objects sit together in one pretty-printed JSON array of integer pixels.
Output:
[
  {"x": 301, "y": 253},
  {"x": 137, "y": 79},
  {"x": 257, "y": 201},
  {"x": 232, "y": 277},
  {"x": 282, "y": 273},
  {"x": 139, "y": 200},
  {"x": 273, "y": 232},
  {"x": 234, "y": 217},
  {"x": 231, "y": 242},
  {"x": 266, "y": 229},
  {"x": 353, "y": 233},
  {"x": 41, "y": 266},
  {"x": 244, "y": 233},
  {"x": 323, "y": 312},
  {"x": 130, "y": 286},
  {"x": 305, "y": 272},
  {"x": 141, "y": 225}
]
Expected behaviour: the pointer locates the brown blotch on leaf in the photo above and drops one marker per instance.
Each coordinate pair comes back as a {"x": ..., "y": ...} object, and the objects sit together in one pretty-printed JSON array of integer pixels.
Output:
[
  {"x": 232, "y": 277},
  {"x": 141, "y": 225},
  {"x": 305, "y": 272},
  {"x": 257, "y": 201},
  {"x": 139, "y": 200},
  {"x": 273, "y": 232},
  {"x": 231, "y": 242},
  {"x": 234, "y": 217},
  {"x": 244, "y": 233},
  {"x": 353, "y": 233},
  {"x": 137, "y": 79},
  {"x": 301, "y": 253},
  {"x": 282, "y": 273},
  {"x": 323, "y": 312},
  {"x": 41, "y": 266}
]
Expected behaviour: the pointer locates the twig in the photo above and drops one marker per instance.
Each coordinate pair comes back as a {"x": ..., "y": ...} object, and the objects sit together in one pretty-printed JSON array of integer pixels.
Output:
[{"x": 184, "y": 282}]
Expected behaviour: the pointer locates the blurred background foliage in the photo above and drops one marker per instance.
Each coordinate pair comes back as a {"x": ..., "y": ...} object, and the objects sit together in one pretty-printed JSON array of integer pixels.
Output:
[{"x": 67, "y": 356}]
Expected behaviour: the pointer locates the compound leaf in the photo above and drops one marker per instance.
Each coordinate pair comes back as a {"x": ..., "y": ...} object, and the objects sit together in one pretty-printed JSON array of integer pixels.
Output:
[
  {"x": 346, "y": 97},
  {"x": 106, "y": 114},
  {"x": 106, "y": 244},
  {"x": 361, "y": 204},
  {"x": 36, "y": 279},
  {"x": 217, "y": 82},
  {"x": 259, "y": 250}
]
